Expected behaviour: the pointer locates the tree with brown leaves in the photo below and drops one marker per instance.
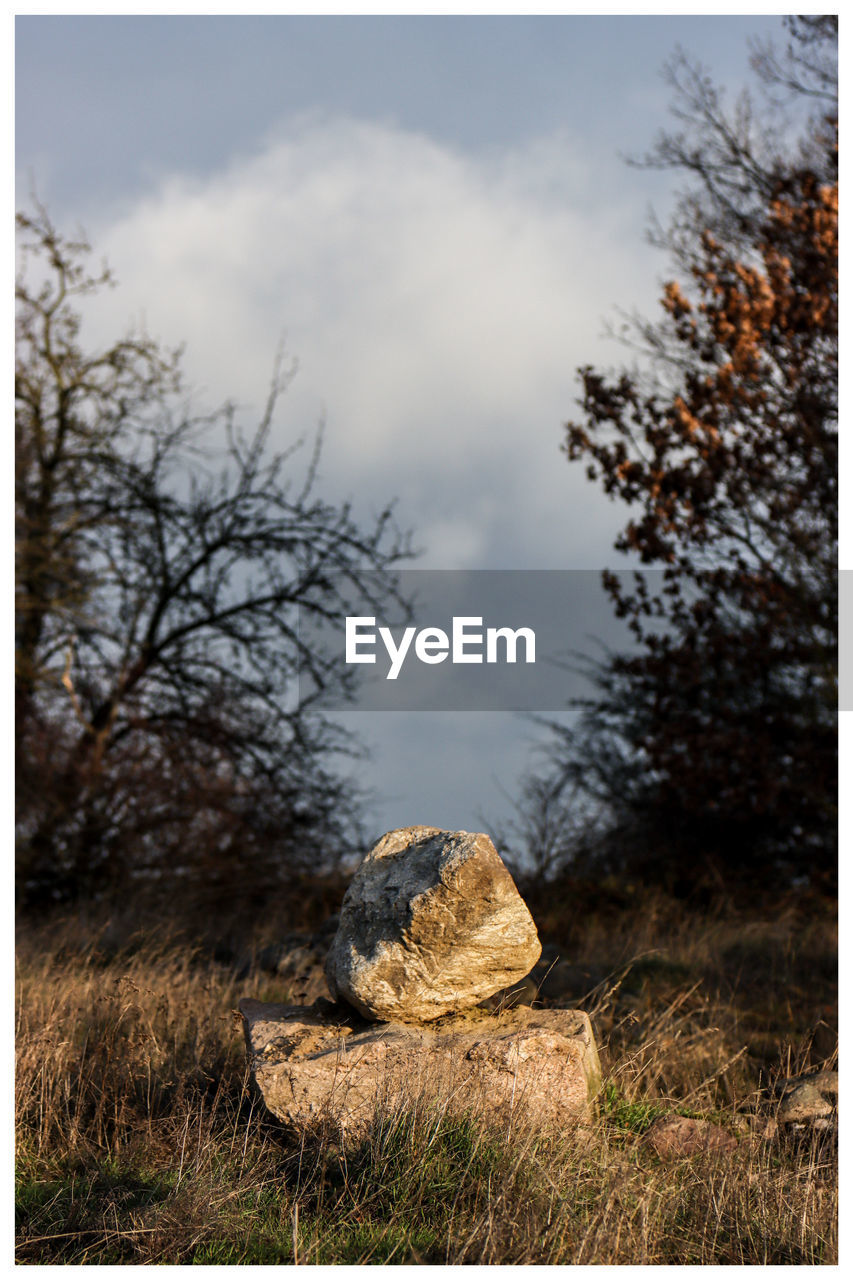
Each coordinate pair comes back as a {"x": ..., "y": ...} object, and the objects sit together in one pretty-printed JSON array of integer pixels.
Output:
[{"x": 714, "y": 745}]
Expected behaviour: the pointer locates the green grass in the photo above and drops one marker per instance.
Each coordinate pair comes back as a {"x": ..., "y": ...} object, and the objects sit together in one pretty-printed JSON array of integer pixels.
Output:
[{"x": 634, "y": 1117}]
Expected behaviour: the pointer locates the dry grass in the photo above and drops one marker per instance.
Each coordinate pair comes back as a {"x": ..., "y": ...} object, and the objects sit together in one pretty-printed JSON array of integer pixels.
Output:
[{"x": 138, "y": 1139}]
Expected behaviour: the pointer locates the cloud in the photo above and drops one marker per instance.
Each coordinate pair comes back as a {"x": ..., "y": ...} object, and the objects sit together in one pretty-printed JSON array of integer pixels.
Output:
[{"x": 437, "y": 301}]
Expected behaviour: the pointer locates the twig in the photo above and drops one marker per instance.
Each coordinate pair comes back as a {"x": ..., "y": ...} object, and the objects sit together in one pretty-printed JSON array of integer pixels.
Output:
[{"x": 294, "y": 1217}]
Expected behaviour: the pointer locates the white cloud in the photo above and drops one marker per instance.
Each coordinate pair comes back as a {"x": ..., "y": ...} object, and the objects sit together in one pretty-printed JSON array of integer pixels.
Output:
[{"x": 437, "y": 302}]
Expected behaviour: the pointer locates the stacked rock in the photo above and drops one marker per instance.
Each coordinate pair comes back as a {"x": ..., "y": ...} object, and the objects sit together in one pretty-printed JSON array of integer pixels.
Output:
[{"x": 431, "y": 926}]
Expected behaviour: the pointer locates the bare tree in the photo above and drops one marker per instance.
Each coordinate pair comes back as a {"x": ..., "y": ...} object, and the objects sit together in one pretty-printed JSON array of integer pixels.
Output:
[{"x": 169, "y": 711}]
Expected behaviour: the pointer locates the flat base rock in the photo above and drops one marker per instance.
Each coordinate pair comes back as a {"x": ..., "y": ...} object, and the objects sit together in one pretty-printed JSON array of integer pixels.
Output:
[{"x": 322, "y": 1062}]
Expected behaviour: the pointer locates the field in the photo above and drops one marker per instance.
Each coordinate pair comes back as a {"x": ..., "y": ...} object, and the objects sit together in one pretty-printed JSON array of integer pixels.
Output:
[{"x": 139, "y": 1140}]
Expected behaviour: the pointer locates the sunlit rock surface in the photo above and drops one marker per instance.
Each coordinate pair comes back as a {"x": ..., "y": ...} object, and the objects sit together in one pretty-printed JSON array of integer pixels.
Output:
[
  {"x": 324, "y": 1064},
  {"x": 431, "y": 924}
]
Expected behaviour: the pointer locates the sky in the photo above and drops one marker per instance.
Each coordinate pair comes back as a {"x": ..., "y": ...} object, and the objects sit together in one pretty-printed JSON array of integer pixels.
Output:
[{"x": 434, "y": 215}]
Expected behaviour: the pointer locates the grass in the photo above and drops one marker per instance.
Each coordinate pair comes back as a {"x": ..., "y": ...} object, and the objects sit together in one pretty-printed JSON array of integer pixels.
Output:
[{"x": 139, "y": 1140}]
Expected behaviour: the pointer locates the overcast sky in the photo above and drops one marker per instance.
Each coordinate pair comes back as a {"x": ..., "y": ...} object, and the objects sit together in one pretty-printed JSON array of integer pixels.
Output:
[{"x": 436, "y": 217}]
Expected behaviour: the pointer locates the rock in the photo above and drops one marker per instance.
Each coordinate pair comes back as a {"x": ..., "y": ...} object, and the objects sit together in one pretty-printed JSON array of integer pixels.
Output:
[
  {"x": 808, "y": 1101},
  {"x": 432, "y": 923},
  {"x": 826, "y": 1082},
  {"x": 674, "y": 1136},
  {"x": 322, "y": 1063},
  {"x": 804, "y": 1102}
]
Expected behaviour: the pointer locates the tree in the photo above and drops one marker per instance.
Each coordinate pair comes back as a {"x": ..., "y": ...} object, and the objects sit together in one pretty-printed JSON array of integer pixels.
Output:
[
  {"x": 168, "y": 714},
  {"x": 715, "y": 745}
]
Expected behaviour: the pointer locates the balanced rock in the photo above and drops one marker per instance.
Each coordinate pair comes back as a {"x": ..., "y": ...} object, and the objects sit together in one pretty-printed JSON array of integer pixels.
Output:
[
  {"x": 431, "y": 924},
  {"x": 321, "y": 1063}
]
